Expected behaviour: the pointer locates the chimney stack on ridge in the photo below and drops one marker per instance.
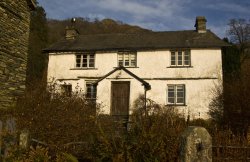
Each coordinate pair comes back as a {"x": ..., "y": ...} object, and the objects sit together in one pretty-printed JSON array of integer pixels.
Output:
[{"x": 200, "y": 24}]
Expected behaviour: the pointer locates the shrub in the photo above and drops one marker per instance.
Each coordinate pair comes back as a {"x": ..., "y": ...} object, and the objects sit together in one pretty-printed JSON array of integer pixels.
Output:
[
  {"x": 38, "y": 154},
  {"x": 151, "y": 136},
  {"x": 56, "y": 120}
]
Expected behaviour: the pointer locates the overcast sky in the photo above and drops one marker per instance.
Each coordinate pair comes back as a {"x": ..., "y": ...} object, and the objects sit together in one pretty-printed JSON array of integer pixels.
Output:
[{"x": 156, "y": 15}]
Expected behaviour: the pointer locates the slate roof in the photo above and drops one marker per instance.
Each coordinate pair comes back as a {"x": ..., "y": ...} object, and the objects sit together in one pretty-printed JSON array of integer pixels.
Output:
[{"x": 140, "y": 41}]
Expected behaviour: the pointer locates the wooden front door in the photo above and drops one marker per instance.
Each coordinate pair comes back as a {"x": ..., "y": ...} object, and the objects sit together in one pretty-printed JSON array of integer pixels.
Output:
[{"x": 120, "y": 99}]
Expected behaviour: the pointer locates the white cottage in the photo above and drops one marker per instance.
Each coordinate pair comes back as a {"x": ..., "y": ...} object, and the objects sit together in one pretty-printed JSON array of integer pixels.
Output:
[{"x": 175, "y": 68}]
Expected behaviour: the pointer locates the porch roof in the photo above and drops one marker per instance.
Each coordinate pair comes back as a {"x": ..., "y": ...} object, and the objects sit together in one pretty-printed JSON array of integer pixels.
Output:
[{"x": 146, "y": 85}]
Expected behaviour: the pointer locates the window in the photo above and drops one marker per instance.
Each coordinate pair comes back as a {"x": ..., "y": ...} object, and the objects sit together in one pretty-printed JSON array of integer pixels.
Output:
[
  {"x": 127, "y": 59},
  {"x": 176, "y": 94},
  {"x": 180, "y": 58},
  {"x": 85, "y": 60},
  {"x": 90, "y": 90},
  {"x": 66, "y": 89}
]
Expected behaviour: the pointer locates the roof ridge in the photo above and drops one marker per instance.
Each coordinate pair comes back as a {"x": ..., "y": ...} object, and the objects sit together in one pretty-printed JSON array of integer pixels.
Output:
[{"x": 140, "y": 33}]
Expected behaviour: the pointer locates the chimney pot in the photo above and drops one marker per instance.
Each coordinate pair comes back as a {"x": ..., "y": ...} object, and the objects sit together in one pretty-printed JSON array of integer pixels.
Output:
[{"x": 200, "y": 24}]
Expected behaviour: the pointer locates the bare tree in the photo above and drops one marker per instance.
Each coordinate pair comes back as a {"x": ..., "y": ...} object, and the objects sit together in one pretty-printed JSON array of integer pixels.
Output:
[
  {"x": 239, "y": 31},
  {"x": 239, "y": 34},
  {"x": 236, "y": 82}
]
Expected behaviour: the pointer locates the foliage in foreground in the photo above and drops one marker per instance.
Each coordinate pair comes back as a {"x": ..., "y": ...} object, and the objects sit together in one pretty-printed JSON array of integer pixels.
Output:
[
  {"x": 56, "y": 120},
  {"x": 150, "y": 136},
  {"x": 73, "y": 125},
  {"x": 70, "y": 127}
]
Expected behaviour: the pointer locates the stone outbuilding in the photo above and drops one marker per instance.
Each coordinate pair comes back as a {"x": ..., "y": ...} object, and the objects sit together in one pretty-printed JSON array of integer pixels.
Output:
[{"x": 14, "y": 38}]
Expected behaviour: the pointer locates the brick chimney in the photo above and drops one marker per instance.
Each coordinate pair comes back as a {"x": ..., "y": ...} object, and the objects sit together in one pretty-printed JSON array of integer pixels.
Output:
[
  {"x": 71, "y": 32},
  {"x": 200, "y": 24}
]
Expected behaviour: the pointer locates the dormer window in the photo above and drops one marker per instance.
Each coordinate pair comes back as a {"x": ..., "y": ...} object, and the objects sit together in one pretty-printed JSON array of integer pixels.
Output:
[
  {"x": 181, "y": 58},
  {"x": 86, "y": 60},
  {"x": 127, "y": 59}
]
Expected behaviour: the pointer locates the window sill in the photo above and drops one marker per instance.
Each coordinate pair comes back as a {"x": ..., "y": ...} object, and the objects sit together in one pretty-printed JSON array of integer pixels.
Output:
[
  {"x": 175, "y": 105},
  {"x": 128, "y": 67},
  {"x": 180, "y": 67},
  {"x": 83, "y": 69}
]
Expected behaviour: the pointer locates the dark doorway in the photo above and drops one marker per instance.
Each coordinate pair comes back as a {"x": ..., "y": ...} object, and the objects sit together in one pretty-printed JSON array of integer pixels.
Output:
[{"x": 120, "y": 101}]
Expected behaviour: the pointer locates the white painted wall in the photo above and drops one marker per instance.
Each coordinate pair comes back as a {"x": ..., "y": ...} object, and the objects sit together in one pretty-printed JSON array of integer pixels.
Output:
[{"x": 154, "y": 67}]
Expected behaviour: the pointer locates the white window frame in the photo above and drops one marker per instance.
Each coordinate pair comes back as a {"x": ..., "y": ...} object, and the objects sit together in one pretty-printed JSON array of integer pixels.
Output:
[
  {"x": 177, "y": 60},
  {"x": 130, "y": 54},
  {"x": 175, "y": 97},
  {"x": 93, "y": 93},
  {"x": 81, "y": 60}
]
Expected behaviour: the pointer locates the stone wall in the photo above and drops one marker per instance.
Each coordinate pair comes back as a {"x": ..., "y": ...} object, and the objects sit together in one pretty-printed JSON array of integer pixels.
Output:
[{"x": 14, "y": 35}]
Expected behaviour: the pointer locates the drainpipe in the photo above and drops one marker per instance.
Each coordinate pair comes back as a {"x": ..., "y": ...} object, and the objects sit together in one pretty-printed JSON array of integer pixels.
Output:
[{"x": 145, "y": 101}]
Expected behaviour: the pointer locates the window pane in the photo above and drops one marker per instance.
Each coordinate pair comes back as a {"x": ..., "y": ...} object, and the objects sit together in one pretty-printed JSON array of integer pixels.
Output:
[
  {"x": 180, "y": 100},
  {"x": 171, "y": 100},
  {"x": 179, "y": 58},
  {"x": 93, "y": 91},
  {"x": 180, "y": 88},
  {"x": 132, "y": 60},
  {"x": 78, "y": 60},
  {"x": 120, "y": 62},
  {"x": 173, "y": 58},
  {"x": 126, "y": 63},
  {"x": 85, "y": 56},
  {"x": 91, "y": 63},
  {"x": 180, "y": 93},
  {"x": 84, "y": 61},
  {"x": 120, "y": 57},
  {"x": 91, "y": 60},
  {"x": 66, "y": 90},
  {"x": 84, "y": 64},
  {"x": 171, "y": 94},
  {"x": 132, "y": 56},
  {"x": 126, "y": 56},
  {"x": 187, "y": 57},
  {"x": 90, "y": 91},
  {"x": 186, "y": 62},
  {"x": 133, "y": 63},
  {"x": 171, "y": 88},
  {"x": 126, "y": 59}
]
